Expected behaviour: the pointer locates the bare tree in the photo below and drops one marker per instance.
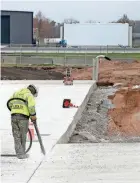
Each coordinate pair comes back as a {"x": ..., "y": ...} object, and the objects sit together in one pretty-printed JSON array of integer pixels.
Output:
[
  {"x": 39, "y": 22},
  {"x": 71, "y": 21},
  {"x": 47, "y": 28},
  {"x": 53, "y": 23},
  {"x": 125, "y": 19},
  {"x": 44, "y": 26}
]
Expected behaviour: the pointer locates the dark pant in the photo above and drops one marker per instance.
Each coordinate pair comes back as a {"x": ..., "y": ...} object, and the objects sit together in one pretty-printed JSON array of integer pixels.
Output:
[{"x": 19, "y": 129}]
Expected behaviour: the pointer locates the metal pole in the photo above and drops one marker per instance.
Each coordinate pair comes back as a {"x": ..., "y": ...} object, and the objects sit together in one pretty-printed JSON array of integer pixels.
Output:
[
  {"x": 107, "y": 50},
  {"x": 124, "y": 49},
  {"x": 96, "y": 67},
  {"x": 65, "y": 57},
  {"x": 85, "y": 55},
  {"x": 20, "y": 54}
]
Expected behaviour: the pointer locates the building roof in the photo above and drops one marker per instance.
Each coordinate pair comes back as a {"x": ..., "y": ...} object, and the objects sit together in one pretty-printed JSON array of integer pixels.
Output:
[{"x": 16, "y": 11}]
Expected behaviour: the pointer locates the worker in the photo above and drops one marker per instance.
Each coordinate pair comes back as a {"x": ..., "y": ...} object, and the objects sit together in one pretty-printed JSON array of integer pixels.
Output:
[{"x": 22, "y": 107}]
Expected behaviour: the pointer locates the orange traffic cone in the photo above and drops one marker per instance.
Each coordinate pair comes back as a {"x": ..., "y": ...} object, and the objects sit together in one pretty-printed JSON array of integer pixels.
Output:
[
  {"x": 31, "y": 128},
  {"x": 67, "y": 104},
  {"x": 72, "y": 105}
]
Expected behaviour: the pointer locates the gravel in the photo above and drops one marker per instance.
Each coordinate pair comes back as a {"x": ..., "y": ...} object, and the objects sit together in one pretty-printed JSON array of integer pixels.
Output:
[{"x": 92, "y": 127}]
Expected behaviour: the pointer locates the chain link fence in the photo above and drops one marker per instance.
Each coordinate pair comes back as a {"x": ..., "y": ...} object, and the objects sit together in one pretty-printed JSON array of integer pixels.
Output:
[
  {"x": 100, "y": 48},
  {"x": 56, "y": 56},
  {"x": 47, "y": 60}
]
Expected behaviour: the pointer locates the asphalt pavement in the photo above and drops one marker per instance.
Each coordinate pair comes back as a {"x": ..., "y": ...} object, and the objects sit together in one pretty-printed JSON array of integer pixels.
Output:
[{"x": 97, "y": 49}]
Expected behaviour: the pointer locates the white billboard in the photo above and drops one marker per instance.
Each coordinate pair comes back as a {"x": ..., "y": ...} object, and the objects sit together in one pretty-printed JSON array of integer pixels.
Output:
[{"x": 97, "y": 34}]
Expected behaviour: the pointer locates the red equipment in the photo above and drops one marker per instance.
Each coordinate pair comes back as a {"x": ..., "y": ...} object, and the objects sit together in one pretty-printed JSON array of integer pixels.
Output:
[
  {"x": 67, "y": 104},
  {"x": 68, "y": 80}
]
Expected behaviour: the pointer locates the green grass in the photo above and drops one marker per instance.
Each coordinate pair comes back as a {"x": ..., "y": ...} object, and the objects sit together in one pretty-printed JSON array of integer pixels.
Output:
[
  {"x": 124, "y": 55},
  {"x": 27, "y": 65},
  {"x": 78, "y": 55},
  {"x": 38, "y": 65}
]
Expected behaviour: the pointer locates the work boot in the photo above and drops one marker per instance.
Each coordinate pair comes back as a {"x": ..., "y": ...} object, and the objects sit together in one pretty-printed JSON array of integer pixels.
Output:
[{"x": 24, "y": 156}]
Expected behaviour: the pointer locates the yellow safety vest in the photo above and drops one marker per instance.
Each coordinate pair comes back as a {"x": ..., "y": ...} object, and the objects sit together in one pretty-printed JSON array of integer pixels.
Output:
[{"x": 26, "y": 107}]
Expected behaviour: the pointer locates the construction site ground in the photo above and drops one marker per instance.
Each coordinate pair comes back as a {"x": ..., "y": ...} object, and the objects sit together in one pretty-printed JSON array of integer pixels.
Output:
[
  {"x": 113, "y": 111},
  {"x": 122, "y": 118},
  {"x": 110, "y": 72},
  {"x": 109, "y": 121},
  {"x": 105, "y": 120}
]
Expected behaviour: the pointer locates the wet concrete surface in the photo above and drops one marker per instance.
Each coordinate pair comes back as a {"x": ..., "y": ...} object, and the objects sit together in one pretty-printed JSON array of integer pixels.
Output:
[{"x": 91, "y": 163}]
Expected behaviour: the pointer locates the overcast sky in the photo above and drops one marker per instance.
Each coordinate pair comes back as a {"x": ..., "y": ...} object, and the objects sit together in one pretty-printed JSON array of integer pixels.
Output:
[{"x": 103, "y": 11}]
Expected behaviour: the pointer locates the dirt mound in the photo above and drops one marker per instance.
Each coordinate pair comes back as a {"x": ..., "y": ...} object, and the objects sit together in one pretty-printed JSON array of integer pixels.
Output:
[
  {"x": 102, "y": 122},
  {"x": 82, "y": 73},
  {"x": 119, "y": 72},
  {"x": 125, "y": 117},
  {"x": 42, "y": 73},
  {"x": 112, "y": 72},
  {"x": 30, "y": 73},
  {"x": 109, "y": 72}
]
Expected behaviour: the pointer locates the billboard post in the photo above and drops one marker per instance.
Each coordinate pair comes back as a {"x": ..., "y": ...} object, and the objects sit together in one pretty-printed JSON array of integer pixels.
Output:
[{"x": 96, "y": 62}]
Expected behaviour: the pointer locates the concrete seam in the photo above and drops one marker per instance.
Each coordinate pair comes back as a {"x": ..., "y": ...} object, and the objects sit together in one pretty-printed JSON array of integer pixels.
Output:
[
  {"x": 40, "y": 164},
  {"x": 35, "y": 171}
]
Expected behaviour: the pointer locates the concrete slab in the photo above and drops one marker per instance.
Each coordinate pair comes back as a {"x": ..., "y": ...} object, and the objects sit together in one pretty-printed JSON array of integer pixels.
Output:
[
  {"x": 52, "y": 119},
  {"x": 90, "y": 163}
]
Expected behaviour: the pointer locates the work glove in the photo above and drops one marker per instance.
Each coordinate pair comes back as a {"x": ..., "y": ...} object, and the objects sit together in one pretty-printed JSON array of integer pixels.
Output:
[{"x": 33, "y": 119}]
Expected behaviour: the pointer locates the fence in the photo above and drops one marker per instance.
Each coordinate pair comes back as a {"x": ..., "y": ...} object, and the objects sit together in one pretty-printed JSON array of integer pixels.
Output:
[
  {"x": 60, "y": 56},
  {"x": 79, "y": 60},
  {"x": 78, "y": 47}
]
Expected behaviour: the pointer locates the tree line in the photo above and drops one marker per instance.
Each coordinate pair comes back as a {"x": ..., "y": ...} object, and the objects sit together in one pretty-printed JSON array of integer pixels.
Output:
[{"x": 47, "y": 28}]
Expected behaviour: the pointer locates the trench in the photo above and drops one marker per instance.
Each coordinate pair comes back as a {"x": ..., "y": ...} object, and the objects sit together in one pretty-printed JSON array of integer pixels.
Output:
[{"x": 93, "y": 125}]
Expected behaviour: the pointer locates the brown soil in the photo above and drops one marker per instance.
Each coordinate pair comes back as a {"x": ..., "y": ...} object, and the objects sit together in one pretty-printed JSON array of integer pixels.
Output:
[
  {"x": 110, "y": 72},
  {"x": 120, "y": 72},
  {"x": 30, "y": 73},
  {"x": 125, "y": 117},
  {"x": 44, "y": 73}
]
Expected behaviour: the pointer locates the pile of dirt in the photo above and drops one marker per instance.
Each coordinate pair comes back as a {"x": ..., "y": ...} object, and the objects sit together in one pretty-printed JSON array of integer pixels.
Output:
[
  {"x": 111, "y": 115},
  {"x": 44, "y": 73},
  {"x": 125, "y": 116},
  {"x": 30, "y": 73},
  {"x": 119, "y": 72},
  {"x": 110, "y": 72},
  {"x": 82, "y": 73}
]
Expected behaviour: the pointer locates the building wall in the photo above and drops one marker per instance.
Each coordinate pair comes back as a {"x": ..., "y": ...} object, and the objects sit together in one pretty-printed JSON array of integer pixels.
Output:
[
  {"x": 110, "y": 34},
  {"x": 21, "y": 27},
  {"x": 130, "y": 37},
  {"x": 136, "y": 40},
  {"x": 5, "y": 31},
  {"x": 136, "y": 34}
]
